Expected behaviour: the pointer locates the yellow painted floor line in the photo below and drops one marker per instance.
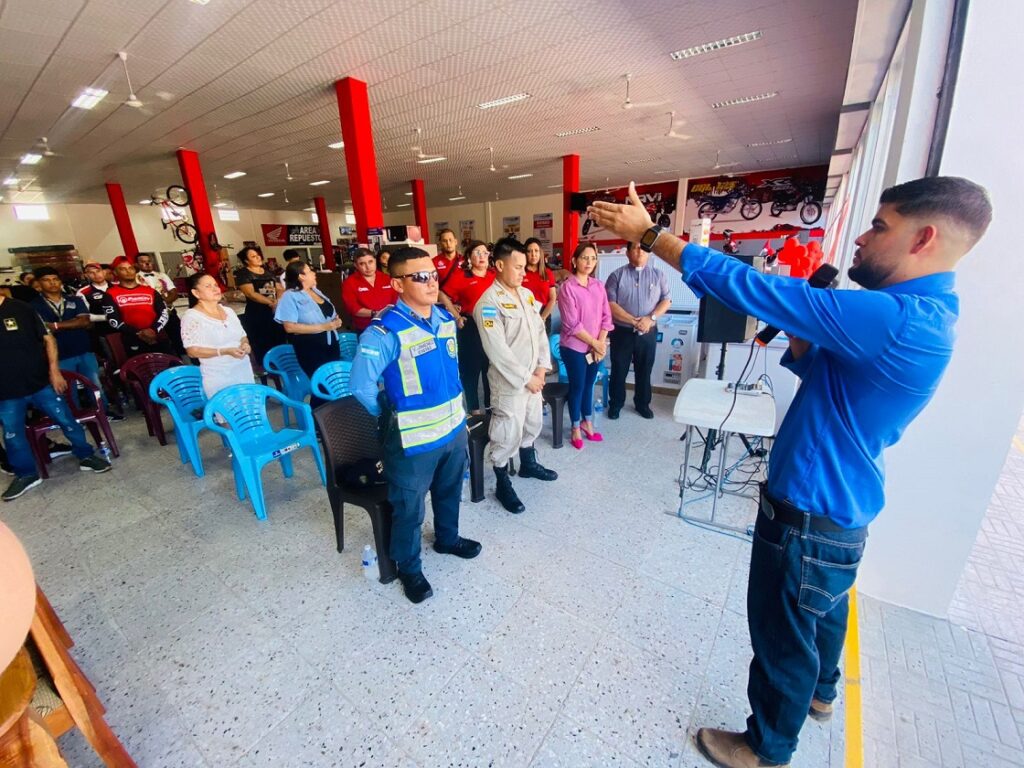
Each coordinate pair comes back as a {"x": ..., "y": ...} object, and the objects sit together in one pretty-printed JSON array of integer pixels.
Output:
[
  {"x": 854, "y": 721},
  {"x": 1018, "y": 444}
]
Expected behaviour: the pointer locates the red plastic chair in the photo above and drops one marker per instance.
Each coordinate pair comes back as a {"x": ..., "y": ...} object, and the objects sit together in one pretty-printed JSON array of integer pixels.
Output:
[
  {"x": 136, "y": 373},
  {"x": 91, "y": 414}
]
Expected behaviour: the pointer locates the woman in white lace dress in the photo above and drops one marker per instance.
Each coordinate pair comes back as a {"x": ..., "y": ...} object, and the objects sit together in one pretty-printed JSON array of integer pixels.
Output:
[{"x": 211, "y": 333}]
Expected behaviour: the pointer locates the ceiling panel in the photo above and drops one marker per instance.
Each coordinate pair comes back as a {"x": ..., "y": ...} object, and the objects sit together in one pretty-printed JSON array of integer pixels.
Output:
[{"x": 248, "y": 84}]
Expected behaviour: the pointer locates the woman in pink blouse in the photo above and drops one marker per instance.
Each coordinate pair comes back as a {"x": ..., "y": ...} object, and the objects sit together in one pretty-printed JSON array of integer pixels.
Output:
[{"x": 586, "y": 321}]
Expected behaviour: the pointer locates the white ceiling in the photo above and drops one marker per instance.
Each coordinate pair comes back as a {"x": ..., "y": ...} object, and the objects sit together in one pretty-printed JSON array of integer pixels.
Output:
[{"x": 248, "y": 85}]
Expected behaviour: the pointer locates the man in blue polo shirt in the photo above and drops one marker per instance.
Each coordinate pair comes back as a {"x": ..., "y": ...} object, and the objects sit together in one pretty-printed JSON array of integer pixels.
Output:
[
  {"x": 869, "y": 361},
  {"x": 68, "y": 319},
  {"x": 411, "y": 349}
]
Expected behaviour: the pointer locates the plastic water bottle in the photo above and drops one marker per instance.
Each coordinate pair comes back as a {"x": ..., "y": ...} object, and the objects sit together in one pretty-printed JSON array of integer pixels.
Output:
[
  {"x": 370, "y": 570},
  {"x": 598, "y": 405},
  {"x": 105, "y": 451}
]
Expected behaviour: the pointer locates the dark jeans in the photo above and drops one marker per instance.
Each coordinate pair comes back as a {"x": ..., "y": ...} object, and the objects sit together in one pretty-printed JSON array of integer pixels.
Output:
[
  {"x": 628, "y": 346},
  {"x": 582, "y": 376},
  {"x": 797, "y": 605},
  {"x": 440, "y": 471},
  {"x": 12, "y": 414},
  {"x": 473, "y": 365},
  {"x": 313, "y": 350}
]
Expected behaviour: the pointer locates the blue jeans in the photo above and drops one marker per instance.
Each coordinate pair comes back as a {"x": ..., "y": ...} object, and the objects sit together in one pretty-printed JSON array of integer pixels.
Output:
[
  {"x": 797, "y": 605},
  {"x": 12, "y": 415},
  {"x": 440, "y": 471},
  {"x": 88, "y": 366},
  {"x": 582, "y": 376}
]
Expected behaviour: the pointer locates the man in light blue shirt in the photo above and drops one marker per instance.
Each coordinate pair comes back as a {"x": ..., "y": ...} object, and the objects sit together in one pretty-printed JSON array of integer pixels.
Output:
[
  {"x": 412, "y": 350},
  {"x": 869, "y": 362}
]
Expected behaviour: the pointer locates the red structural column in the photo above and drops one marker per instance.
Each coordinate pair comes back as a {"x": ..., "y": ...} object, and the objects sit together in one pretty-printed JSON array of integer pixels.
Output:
[
  {"x": 570, "y": 219},
  {"x": 419, "y": 205},
  {"x": 199, "y": 204},
  {"x": 123, "y": 221},
  {"x": 325, "y": 232},
  {"x": 360, "y": 157}
]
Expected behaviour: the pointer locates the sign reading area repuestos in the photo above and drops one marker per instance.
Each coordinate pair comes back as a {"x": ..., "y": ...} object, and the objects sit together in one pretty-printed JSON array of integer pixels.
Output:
[{"x": 291, "y": 234}]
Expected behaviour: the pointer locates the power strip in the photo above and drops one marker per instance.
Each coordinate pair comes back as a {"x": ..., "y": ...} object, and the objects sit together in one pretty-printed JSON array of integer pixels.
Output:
[{"x": 754, "y": 389}]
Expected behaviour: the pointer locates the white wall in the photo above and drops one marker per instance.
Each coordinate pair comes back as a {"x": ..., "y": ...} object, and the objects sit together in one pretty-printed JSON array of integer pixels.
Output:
[
  {"x": 942, "y": 474},
  {"x": 91, "y": 229}
]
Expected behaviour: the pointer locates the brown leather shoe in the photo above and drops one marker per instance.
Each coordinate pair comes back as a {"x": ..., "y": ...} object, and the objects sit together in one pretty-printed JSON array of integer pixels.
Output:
[
  {"x": 729, "y": 750},
  {"x": 820, "y": 711}
]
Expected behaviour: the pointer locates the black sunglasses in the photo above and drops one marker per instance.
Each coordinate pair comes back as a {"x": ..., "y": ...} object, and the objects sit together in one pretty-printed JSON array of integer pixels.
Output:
[{"x": 422, "y": 277}]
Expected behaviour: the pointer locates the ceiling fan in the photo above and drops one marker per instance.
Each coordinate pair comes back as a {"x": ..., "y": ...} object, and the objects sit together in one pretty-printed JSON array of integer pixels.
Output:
[
  {"x": 287, "y": 173},
  {"x": 671, "y": 133},
  {"x": 132, "y": 101},
  {"x": 492, "y": 169},
  {"x": 44, "y": 148},
  {"x": 718, "y": 164},
  {"x": 630, "y": 104},
  {"x": 418, "y": 148}
]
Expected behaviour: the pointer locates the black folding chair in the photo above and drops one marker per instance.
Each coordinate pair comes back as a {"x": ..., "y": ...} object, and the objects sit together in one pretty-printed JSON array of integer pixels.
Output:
[{"x": 349, "y": 434}]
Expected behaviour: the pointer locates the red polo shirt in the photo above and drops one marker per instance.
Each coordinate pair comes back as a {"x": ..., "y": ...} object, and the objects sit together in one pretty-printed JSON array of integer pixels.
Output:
[
  {"x": 357, "y": 293},
  {"x": 540, "y": 287},
  {"x": 466, "y": 290},
  {"x": 444, "y": 265}
]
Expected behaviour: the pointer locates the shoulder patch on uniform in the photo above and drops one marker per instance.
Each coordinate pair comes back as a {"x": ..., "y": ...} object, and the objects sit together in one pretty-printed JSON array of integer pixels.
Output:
[
  {"x": 368, "y": 351},
  {"x": 488, "y": 323},
  {"x": 489, "y": 311}
]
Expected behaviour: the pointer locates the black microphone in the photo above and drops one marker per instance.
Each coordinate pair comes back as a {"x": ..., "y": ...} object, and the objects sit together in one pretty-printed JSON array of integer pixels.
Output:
[{"x": 821, "y": 278}]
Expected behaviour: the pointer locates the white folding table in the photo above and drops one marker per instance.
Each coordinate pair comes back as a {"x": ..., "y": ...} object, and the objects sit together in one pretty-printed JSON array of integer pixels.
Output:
[{"x": 705, "y": 403}]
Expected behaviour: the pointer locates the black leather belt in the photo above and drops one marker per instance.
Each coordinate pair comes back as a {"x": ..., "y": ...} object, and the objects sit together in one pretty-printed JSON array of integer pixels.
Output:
[{"x": 785, "y": 513}]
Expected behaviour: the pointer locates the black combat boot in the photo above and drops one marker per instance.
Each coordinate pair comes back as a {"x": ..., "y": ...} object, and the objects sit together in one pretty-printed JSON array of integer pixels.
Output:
[
  {"x": 506, "y": 493},
  {"x": 530, "y": 467}
]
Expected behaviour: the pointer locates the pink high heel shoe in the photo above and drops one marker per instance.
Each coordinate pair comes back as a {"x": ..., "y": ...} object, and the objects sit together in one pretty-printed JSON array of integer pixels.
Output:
[
  {"x": 576, "y": 442},
  {"x": 590, "y": 434}
]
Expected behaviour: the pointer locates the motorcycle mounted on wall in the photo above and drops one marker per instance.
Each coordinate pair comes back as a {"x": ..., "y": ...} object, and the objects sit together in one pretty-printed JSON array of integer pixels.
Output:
[
  {"x": 784, "y": 194},
  {"x": 711, "y": 205}
]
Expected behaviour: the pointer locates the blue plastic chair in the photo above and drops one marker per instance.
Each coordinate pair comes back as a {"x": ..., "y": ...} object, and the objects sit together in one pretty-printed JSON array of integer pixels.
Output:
[
  {"x": 348, "y": 341},
  {"x": 281, "y": 362},
  {"x": 330, "y": 382},
  {"x": 180, "y": 391},
  {"x": 253, "y": 440},
  {"x": 563, "y": 376}
]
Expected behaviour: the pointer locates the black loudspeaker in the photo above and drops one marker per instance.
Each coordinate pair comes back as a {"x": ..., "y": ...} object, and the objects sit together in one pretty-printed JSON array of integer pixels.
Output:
[
  {"x": 577, "y": 202},
  {"x": 717, "y": 324}
]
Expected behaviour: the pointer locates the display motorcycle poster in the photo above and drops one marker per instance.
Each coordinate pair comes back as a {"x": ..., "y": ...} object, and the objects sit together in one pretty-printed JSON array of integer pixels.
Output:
[
  {"x": 543, "y": 229},
  {"x": 759, "y": 202},
  {"x": 467, "y": 231},
  {"x": 659, "y": 199},
  {"x": 510, "y": 226},
  {"x": 438, "y": 226}
]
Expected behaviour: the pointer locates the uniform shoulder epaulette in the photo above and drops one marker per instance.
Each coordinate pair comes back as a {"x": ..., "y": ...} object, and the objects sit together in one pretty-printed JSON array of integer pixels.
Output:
[{"x": 379, "y": 327}]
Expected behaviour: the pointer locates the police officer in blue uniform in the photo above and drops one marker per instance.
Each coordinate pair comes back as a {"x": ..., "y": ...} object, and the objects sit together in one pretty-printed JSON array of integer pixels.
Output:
[{"x": 411, "y": 350}]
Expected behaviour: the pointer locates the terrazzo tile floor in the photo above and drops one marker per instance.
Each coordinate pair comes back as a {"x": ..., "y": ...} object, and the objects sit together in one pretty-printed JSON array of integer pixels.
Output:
[{"x": 596, "y": 629}]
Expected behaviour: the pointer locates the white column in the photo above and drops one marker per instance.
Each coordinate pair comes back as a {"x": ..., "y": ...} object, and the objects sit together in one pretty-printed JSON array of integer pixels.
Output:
[{"x": 942, "y": 474}]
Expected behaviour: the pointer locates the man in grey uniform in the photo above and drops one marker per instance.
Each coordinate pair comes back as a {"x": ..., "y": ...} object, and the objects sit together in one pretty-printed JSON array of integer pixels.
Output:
[{"x": 513, "y": 337}]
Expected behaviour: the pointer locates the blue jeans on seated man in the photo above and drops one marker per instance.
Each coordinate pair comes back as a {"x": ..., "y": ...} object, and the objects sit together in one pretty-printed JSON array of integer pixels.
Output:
[
  {"x": 12, "y": 415},
  {"x": 797, "y": 606},
  {"x": 87, "y": 365},
  {"x": 440, "y": 471}
]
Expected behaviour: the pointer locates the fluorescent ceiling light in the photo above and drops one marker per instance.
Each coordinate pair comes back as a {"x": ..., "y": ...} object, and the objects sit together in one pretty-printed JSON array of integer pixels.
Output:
[
  {"x": 520, "y": 176},
  {"x": 337, "y": 145},
  {"x": 234, "y": 175},
  {"x": 145, "y": 202},
  {"x": 769, "y": 143},
  {"x": 641, "y": 160},
  {"x": 716, "y": 45},
  {"x": 426, "y": 160},
  {"x": 744, "y": 100},
  {"x": 457, "y": 197},
  {"x": 201, "y": 2},
  {"x": 89, "y": 98},
  {"x": 220, "y": 205},
  {"x": 504, "y": 100},
  {"x": 265, "y": 194},
  {"x": 31, "y": 212},
  {"x": 671, "y": 170},
  {"x": 31, "y": 158},
  {"x": 309, "y": 209},
  {"x": 403, "y": 205},
  {"x": 555, "y": 186},
  {"x": 576, "y": 132},
  {"x": 319, "y": 183},
  {"x": 408, "y": 194},
  {"x": 228, "y": 214},
  {"x": 12, "y": 181}
]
